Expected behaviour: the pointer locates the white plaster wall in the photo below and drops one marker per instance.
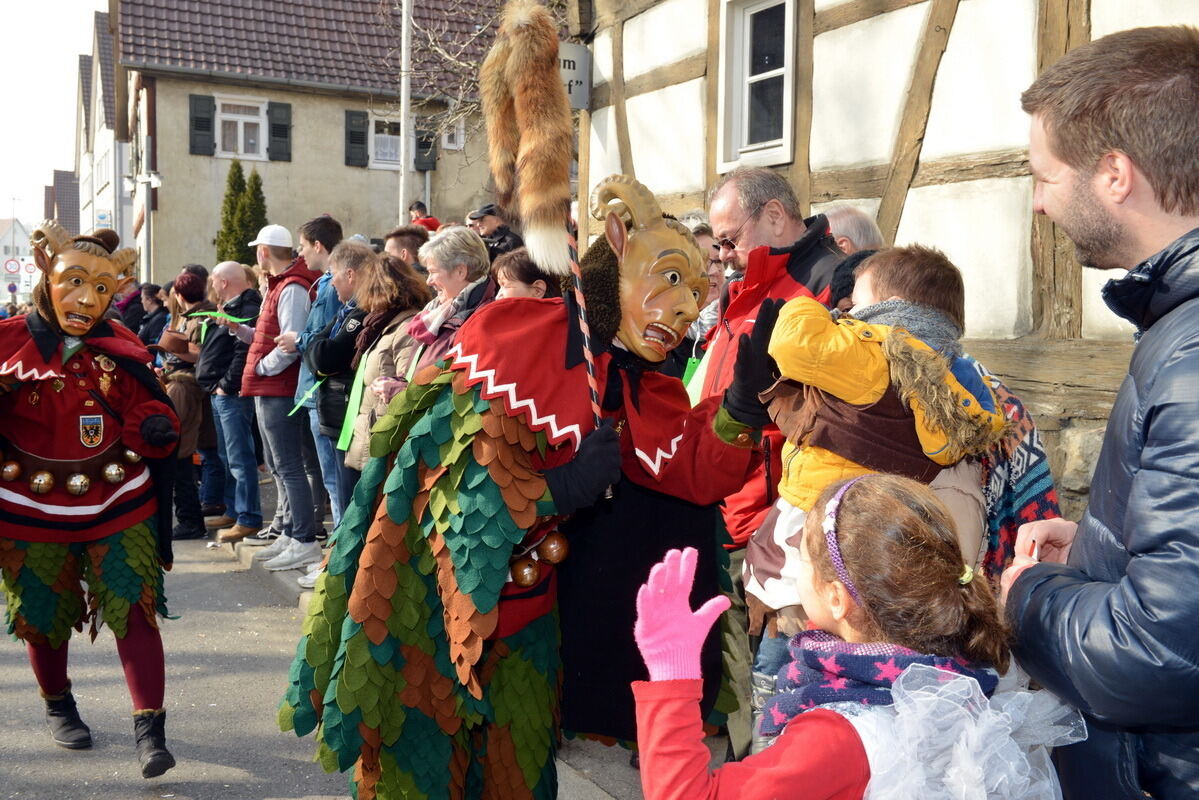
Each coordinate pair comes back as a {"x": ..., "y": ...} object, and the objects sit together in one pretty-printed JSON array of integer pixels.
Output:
[
  {"x": 666, "y": 33},
  {"x": 1098, "y": 321},
  {"x": 990, "y": 60},
  {"x": 666, "y": 131},
  {"x": 983, "y": 226},
  {"x": 823, "y": 4},
  {"x": 1109, "y": 16},
  {"x": 601, "y": 58},
  {"x": 859, "y": 84},
  {"x": 605, "y": 153}
]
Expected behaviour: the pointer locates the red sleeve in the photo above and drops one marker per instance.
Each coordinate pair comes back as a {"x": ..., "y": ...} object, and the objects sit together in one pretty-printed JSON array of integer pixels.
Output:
[
  {"x": 674, "y": 449},
  {"x": 818, "y": 755}
]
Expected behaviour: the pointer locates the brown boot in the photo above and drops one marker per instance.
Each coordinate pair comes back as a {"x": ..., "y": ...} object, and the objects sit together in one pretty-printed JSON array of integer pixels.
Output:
[
  {"x": 223, "y": 521},
  {"x": 235, "y": 534}
]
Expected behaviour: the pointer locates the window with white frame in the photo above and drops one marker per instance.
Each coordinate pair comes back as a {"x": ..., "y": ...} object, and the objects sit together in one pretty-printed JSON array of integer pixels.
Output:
[
  {"x": 757, "y": 78},
  {"x": 385, "y": 142},
  {"x": 241, "y": 127},
  {"x": 455, "y": 138},
  {"x": 103, "y": 170}
]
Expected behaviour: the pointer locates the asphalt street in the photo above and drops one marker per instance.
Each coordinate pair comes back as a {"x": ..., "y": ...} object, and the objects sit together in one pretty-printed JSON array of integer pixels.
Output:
[{"x": 227, "y": 660}]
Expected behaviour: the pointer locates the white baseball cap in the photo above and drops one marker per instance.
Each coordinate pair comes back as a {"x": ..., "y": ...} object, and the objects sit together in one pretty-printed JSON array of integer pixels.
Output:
[{"x": 274, "y": 236}]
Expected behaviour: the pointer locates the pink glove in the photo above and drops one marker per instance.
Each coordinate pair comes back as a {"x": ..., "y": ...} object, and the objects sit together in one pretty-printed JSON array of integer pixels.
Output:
[{"x": 668, "y": 633}]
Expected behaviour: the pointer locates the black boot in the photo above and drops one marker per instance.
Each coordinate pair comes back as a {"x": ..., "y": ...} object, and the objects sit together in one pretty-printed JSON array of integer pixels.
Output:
[
  {"x": 152, "y": 751},
  {"x": 66, "y": 728}
]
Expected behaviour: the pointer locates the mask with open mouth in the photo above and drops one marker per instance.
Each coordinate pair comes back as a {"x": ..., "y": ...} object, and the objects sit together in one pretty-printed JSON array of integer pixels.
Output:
[
  {"x": 81, "y": 275},
  {"x": 661, "y": 269}
]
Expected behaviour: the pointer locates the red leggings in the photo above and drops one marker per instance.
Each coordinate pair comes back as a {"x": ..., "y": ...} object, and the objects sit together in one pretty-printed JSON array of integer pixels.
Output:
[{"x": 141, "y": 656}]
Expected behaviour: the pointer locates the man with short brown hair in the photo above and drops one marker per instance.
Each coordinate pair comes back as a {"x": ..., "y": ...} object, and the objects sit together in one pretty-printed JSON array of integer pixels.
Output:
[
  {"x": 1107, "y": 619},
  {"x": 405, "y": 242}
]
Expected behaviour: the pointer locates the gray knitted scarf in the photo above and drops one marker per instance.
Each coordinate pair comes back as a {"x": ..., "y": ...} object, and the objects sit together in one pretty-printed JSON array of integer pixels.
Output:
[{"x": 925, "y": 323}]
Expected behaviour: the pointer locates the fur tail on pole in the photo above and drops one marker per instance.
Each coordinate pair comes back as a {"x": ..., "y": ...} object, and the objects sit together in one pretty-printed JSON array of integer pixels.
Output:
[{"x": 529, "y": 130}]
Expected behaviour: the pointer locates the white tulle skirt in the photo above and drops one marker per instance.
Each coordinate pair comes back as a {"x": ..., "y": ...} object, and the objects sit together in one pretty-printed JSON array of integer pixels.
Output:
[{"x": 942, "y": 739}]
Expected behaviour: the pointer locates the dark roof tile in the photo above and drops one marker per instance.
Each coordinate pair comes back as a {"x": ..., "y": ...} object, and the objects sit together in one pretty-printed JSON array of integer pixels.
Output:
[
  {"x": 104, "y": 51},
  {"x": 348, "y": 43},
  {"x": 85, "y": 97}
]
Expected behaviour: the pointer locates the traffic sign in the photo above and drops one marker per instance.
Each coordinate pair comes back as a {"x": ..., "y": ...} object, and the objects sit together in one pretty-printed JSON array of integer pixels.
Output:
[
  {"x": 31, "y": 268},
  {"x": 12, "y": 266},
  {"x": 12, "y": 288}
]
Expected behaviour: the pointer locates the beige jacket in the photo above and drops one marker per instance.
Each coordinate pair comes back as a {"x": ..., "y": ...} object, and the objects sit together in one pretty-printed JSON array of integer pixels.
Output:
[{"x": 386, "y": 358}]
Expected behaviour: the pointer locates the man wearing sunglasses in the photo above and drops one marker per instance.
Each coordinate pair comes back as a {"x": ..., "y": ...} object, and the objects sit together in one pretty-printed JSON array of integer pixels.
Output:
[{"x": 760, "y": 232}]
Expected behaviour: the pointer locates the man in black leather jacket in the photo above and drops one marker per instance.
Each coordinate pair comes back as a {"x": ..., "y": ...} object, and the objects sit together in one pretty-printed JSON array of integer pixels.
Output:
[{"x": 1109, "y": 618}]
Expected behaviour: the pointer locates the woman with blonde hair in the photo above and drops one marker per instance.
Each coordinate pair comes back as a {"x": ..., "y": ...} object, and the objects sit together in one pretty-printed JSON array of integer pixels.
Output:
[{"x": 458, "y": 267}]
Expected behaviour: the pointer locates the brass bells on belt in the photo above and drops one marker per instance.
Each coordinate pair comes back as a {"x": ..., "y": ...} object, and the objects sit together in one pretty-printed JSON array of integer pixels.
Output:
[
  {"x": 41, "y": 482},
  {"x": 10, "y": 471},
  {"x": 526, "y": 569}
]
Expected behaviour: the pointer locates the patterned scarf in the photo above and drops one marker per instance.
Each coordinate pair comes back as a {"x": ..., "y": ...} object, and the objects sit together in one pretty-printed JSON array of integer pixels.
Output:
[
  {"x": 923, "y": 322},
  {"x": 425, "y": 326},
  {"x": 826, "y": 670}
]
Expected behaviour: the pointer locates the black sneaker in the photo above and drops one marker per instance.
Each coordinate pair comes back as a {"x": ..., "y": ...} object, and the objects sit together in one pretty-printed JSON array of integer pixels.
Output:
[
  {"x": 264, "y": 536},
  {"x": 184, "y": 532},
  {"x": 321, "y": 534}
]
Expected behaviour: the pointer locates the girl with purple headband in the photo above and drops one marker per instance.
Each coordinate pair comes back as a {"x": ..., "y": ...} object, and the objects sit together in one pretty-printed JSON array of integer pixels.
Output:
[{"x": 896, "y": 690}]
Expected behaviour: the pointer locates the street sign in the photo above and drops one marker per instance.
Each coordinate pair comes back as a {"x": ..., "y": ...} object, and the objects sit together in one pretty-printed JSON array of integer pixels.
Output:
[
  {"x": 31, "y": 268},
  {"x": 574, "y": 67},
  {"x": 12, "y": 266},
  {"x": 12, "y": 288}
]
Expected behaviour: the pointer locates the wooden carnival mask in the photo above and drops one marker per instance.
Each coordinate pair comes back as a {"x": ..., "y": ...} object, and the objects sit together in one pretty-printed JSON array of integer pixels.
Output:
[
  {"x": 82, "y": 274},
  {"x": 662, "y": 278}
]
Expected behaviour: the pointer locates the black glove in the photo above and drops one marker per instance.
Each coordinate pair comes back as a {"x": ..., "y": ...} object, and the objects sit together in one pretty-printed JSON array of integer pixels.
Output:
[
  {"x": 158, "y": 431},
  {"x": 579, "y": 482},
  {"x": 754, "y": 370}
]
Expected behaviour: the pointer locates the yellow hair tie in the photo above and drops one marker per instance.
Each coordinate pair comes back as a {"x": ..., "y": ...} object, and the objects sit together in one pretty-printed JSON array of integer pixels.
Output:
[{"x": 967, "y": 575}]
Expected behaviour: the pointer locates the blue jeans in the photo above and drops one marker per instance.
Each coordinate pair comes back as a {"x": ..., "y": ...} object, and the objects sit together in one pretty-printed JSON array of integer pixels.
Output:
[
  {"x": 213, "y": 491},
  {"x": 772, "y": 654},
  {"x": 331, "y": 460},
  {"x": 282, "y": 440},
  {"x": 234, "y": 420}
]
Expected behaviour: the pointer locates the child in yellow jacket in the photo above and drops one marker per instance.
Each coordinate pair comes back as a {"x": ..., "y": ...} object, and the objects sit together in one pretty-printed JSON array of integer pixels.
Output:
[{"x": 882, "y": 389}]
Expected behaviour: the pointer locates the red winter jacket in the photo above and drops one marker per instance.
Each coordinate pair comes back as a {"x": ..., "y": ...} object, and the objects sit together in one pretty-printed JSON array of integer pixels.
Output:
[
  {"x": 267, "y": 328},
  {"x": 805, "y": 269},
  {"x": 818, "y": 756}
]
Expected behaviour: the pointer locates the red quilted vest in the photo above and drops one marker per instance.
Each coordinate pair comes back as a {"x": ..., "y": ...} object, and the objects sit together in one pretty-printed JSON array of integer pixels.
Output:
[{"x": 283, "y": 384}]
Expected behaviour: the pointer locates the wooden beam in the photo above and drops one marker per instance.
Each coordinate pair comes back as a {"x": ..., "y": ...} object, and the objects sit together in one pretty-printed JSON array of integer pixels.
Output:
[
  {"x": 1057, "y": 275},
  {"x": 620, "y": 116},
  {"x": 906, "y": 154},
  {"x": 613, "y": 12},
  {"x": 677, "y": 203},
  {"x": 583, "y": 217},
  {"x": 859, "y": 182},
  {"x": 712, "y": 93},
  {"x": 671, "y": 74},
  {"x": 856, "y": 11},
  {"x": 1057, "y": 380},
  {"x": 579, "y": 16},
  {"x": 800, "y": 172}
]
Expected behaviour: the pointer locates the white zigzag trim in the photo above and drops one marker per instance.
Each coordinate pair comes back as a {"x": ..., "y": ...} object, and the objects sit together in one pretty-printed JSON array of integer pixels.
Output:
[
  {"x": 23, "y": 374},
  {"x": 509, "y": 389},
  {"x": 654, "y": 465}
]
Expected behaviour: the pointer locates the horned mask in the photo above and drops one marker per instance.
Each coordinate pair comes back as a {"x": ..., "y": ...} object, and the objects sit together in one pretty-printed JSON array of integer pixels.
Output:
[{"x": 80, "y": 275}]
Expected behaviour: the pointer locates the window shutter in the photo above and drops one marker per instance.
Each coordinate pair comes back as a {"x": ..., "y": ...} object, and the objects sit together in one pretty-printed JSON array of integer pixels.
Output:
[
  {"x": 278, "y": 120},
  {"x": 426, "y": 151},
  {"x": 357, "y": 131},
  {"x": 202, "y": 141}
]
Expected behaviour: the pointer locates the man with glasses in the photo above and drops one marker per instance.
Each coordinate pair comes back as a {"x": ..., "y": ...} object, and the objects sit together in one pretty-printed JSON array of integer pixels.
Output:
[{"x": 760, "y": 232}]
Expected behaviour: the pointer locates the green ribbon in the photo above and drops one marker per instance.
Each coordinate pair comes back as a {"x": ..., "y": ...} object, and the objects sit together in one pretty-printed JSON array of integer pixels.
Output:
[
  {"x": 223, "y": 315},
  {"x": 311, "y": 391},
  {"x": 347, "y": 427},
  {"x": 692, "y": 365}
]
